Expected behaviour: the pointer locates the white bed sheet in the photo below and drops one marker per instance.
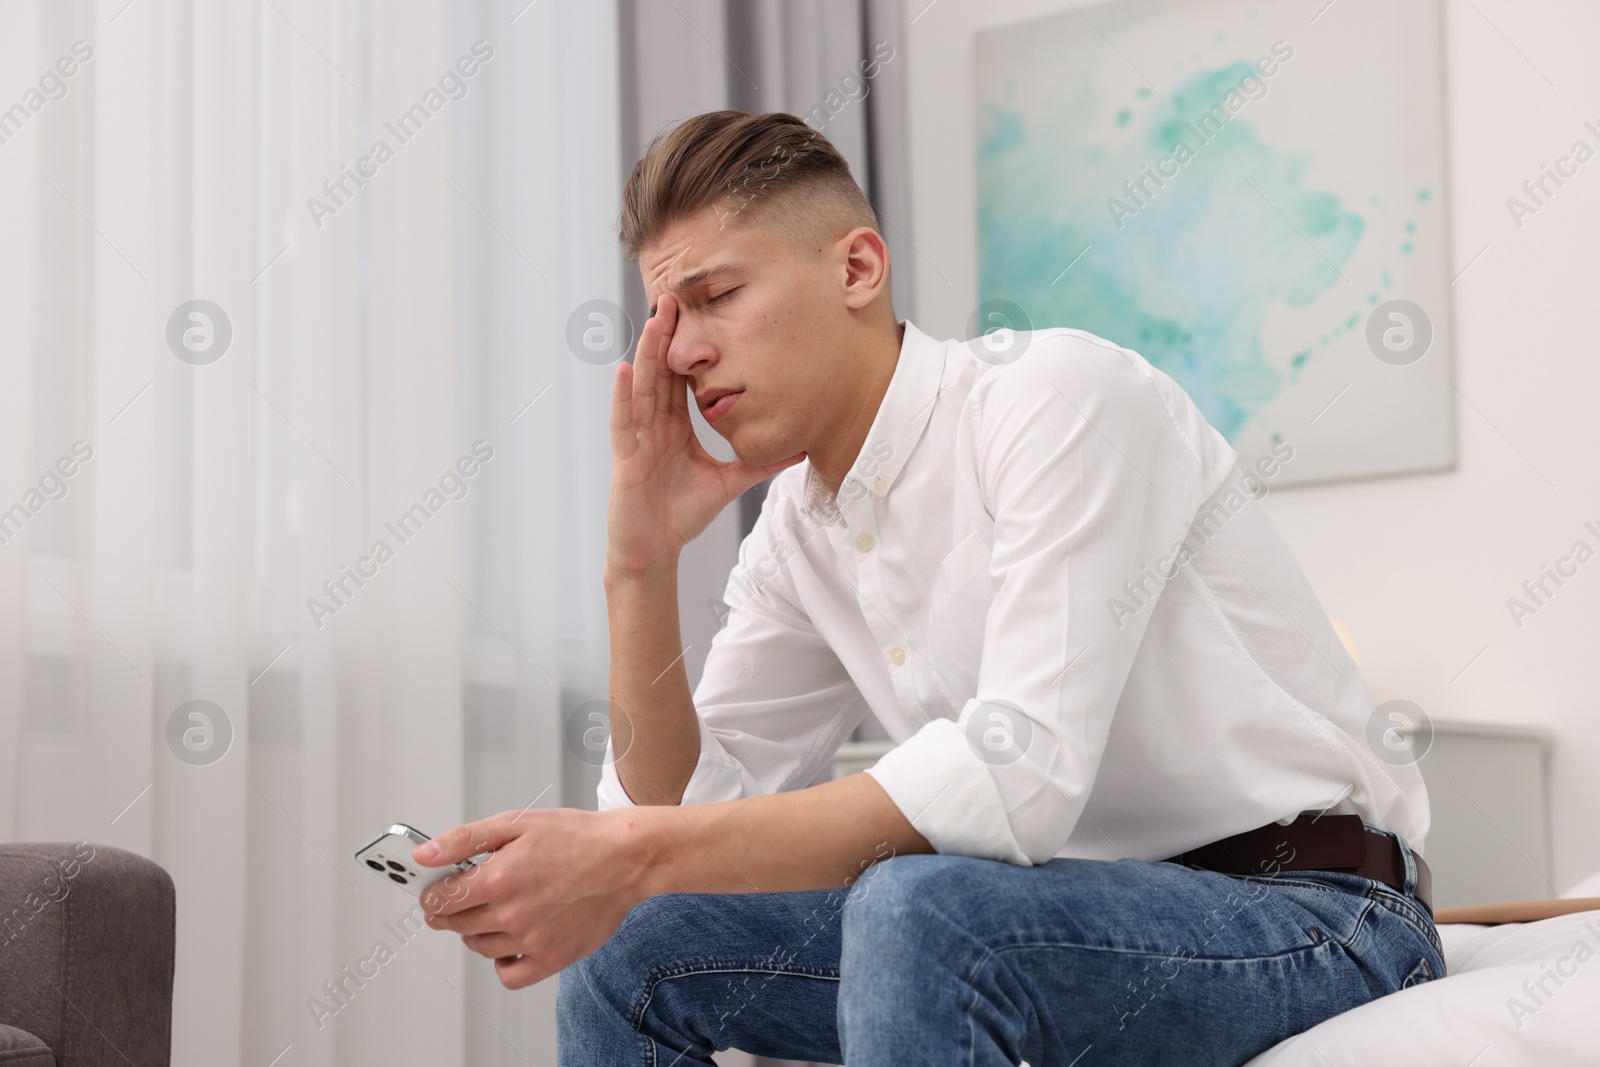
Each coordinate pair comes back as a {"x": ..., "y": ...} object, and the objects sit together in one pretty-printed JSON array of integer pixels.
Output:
[{"x": 1515, "y": 994}]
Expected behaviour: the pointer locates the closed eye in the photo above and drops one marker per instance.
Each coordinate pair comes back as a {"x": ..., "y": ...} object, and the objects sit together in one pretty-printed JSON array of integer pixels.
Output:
[{"x": 723, "y": 296}]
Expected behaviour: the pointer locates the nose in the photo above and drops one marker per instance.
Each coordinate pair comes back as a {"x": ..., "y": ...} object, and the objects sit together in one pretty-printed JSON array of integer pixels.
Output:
[{"x": 690, "y": 352}]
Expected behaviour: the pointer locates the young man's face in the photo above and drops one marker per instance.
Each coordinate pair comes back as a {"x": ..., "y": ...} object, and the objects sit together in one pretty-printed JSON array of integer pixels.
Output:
[{"x": 761, "y": 316}]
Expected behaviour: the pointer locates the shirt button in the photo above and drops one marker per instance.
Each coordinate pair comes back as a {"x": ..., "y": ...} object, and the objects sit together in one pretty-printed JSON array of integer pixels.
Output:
[
  {"x": 879, "y": 484},
  {"x": 898, "y": 655},
  {"x": 865, "y": 542}
]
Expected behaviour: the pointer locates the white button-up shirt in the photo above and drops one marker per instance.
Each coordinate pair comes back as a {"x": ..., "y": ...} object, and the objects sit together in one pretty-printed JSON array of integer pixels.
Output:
[{"x": 1049, "y": 579}]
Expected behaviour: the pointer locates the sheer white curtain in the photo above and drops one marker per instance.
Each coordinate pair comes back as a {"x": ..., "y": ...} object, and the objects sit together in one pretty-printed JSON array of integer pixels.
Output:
[{"x": 396, "y": 373}]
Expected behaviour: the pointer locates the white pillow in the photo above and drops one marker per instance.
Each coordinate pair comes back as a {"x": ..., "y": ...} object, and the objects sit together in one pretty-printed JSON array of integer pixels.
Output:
[{"x": 1489, "y": 1012}]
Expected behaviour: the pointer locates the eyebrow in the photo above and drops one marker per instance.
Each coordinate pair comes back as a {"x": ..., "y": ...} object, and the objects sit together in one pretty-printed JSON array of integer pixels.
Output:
[{"x": 698, "y": 277}]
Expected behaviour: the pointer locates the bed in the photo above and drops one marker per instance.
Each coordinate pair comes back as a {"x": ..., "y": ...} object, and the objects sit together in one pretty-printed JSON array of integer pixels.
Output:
[
  {"x": 1515, "y": 993},
  {"x": 1487, "y": 787}
]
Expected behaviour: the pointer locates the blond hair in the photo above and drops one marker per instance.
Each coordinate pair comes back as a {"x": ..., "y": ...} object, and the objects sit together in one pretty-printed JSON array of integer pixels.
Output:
[{"x": 769, "y": 167}]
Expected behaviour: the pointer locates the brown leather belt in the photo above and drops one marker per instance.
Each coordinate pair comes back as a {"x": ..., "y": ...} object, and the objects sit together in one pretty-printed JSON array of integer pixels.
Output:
[{"x": 1314, "y": 842}]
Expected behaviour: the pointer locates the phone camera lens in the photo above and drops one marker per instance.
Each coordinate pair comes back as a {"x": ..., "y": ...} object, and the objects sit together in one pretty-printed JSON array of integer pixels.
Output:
[
  {"x": 393, "y": 866},
  {"x": 375, "y": 865},
  {"x": 397, "y": 878}
]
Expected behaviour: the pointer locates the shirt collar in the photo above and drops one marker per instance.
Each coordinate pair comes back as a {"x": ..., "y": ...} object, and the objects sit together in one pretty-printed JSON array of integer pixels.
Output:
[{"x": 898, "y": 425}]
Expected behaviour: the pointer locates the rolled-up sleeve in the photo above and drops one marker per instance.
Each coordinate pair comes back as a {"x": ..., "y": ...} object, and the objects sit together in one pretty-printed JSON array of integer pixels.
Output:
[
  {"x": 1093, "y": 467},
  {"x": 774, "y": 702}
]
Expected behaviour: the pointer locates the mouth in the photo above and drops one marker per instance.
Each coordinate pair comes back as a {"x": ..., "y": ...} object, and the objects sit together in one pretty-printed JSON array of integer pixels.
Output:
[{"x": 716, "y": 403}]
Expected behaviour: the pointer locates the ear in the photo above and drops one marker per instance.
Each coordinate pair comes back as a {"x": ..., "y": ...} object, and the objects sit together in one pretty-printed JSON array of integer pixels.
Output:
[{"x": 866, "y": 266}]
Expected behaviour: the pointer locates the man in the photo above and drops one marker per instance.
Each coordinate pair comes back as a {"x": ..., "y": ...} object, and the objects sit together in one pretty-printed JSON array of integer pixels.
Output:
[{"x": 1031, "y": 558}]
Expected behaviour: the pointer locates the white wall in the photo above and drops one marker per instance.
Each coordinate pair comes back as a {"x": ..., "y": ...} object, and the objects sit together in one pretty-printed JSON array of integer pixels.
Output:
[{"x": 1419, "y": 568}]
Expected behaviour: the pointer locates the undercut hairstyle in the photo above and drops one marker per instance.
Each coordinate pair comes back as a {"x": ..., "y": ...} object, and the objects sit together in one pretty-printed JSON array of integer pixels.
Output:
[{"x": 771, "y": 168}]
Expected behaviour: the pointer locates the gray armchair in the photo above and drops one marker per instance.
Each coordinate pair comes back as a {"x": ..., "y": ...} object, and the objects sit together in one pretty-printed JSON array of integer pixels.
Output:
[{"x": 86, "y": 948}]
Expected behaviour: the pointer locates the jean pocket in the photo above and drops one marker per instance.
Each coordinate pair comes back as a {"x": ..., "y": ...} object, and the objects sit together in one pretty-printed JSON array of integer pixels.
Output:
[
  {"x": 1282, "y": 882},
  {"x": 1334, "y": 882},
  {"x": 1407, "y": 909}
]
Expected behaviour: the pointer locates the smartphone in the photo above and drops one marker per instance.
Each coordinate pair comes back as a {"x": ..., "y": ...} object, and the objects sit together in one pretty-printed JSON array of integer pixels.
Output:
[{"x": 389, "y": 854}]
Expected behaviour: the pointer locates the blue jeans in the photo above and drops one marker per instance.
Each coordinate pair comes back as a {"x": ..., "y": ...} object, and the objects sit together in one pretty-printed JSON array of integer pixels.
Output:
[{"x": 950, "y": 960}]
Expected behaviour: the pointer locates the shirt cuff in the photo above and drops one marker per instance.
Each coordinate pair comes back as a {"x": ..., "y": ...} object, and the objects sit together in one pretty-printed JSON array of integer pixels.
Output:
[
  {"x": 945, "y": 790},
  {"x": 717, "y": 776}
]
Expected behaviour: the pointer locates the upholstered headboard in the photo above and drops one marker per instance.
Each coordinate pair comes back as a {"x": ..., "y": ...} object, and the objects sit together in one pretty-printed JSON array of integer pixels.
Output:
[{"x": 1490, "y": 837}]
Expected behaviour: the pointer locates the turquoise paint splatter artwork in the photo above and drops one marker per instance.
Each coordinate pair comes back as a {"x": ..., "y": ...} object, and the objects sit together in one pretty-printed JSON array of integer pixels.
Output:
[
  {"x": 1174, "y": 217},
  {"x": 1206, "y": 332}
]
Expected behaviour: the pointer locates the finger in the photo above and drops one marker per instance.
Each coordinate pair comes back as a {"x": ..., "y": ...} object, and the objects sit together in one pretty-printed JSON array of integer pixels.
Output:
[
  {"x": 517, "y": 972},
  {"x": 647, "y": 366},
  {"x": 493, "y": 945},
  {"x": 682, "y": 395},
  {"x": 623, "y": 442},
  {"x": 468, "y": 839},
  {"x": 456, "y": 893},
  {"x": 465, "y": 916},
  {"x": 623, "y": 401},
  {"x": 669, "y": 385}
]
